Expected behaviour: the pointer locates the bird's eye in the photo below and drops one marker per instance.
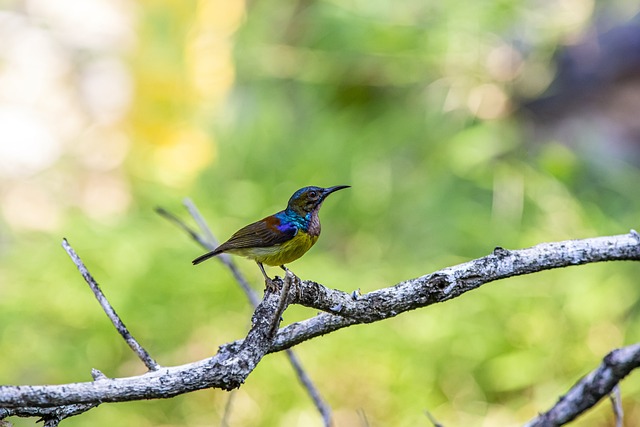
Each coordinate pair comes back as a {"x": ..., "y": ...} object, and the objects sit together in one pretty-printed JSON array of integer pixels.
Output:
[{"x": 313, "y": 194}]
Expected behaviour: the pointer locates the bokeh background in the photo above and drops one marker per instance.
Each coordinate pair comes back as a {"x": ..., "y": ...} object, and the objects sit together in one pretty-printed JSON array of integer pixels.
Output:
[{"x": 460, "y": 125}]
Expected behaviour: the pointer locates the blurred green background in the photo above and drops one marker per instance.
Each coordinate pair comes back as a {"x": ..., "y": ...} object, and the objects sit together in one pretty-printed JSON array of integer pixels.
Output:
[{"x": 109, "y": 108}]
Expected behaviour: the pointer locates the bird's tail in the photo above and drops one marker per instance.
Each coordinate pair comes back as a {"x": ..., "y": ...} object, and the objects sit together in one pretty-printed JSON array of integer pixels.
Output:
[{"x": 206, "y": 256}]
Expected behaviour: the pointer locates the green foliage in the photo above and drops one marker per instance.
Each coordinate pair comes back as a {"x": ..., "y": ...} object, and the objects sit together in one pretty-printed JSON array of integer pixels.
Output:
[{"x": 377, "y": 95}]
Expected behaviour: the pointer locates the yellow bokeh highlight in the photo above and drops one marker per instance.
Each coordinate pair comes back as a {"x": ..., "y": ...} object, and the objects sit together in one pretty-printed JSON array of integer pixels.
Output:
[
  {"x": 210, "y": 66},
  {"x": 187, "y": 151},
  {"x": 209, "y": 49},
  {"x": 222, "y": 16}
]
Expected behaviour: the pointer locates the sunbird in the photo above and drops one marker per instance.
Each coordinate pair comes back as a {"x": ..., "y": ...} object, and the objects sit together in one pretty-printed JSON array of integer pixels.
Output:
[{"x": 280, "y": 238}]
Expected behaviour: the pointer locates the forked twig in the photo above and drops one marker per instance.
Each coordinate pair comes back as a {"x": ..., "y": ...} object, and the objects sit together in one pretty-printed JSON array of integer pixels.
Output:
[
  {"x": 210, "y": 242},
  {"x": 144, "y": 356}
]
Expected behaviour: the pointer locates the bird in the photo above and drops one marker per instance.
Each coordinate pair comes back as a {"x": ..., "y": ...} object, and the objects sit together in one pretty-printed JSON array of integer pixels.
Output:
[{"x": 280, "y": 238}]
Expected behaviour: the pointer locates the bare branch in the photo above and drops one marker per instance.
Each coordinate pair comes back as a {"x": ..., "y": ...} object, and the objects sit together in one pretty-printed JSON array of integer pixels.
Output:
[
  {"x": 592, "y": 388},
  {"x": 224, "y": 258},
  {"x": 211, "y": 243},
  {"x": 363, "y": 417},
  {"x": 52, "y": 415},
  {"x": 307, "y": 383},
  {"x": 234, "y": 361},
  {"x": 226, "y": 370},
  {"x": 108, "y": 309},
  {"x": 202, "y": 223},
  {"x": 194, "y": 235},
  {"x": 446, "y": 284}
]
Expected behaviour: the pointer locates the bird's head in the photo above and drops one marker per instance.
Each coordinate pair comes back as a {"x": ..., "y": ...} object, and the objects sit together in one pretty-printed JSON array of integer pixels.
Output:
[{"x": 308, "y": 199}]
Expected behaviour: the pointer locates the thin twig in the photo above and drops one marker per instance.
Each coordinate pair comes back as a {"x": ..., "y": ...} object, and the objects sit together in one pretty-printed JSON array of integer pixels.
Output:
[
  {"x": 210, "y": 244},
  {"x": 151, "y": 364},
  {"x": 363, "y": 417},
  {"x": 306, "y": 381},
  {"x": 433, "y": 419},
  {"x": 194, "y": 235},
  {"x": 226, "y": 259},
  {"x": 202, "y": 223},
  {"x": 227, "y": 370},
  {"x": 282, "y": 305},
  {"x": 616, "y": 403},
  {"x": 224, "y": 422}
]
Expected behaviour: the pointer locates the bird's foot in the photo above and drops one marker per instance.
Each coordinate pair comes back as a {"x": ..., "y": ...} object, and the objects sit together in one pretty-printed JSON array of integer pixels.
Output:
[{"x": 272, "y": 285}]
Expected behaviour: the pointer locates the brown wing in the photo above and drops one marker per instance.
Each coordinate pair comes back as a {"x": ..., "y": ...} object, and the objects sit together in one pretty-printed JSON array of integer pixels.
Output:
[{"x": 269, "y": 231}]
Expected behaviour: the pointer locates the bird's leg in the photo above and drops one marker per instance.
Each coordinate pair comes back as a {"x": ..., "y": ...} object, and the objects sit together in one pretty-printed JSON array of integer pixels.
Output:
[
  {"x": 267, "y": 280},
  {"x": 283, "y": 301},
  {"x": 298, "y": 290},
  {"x": 284, "y": 267}
]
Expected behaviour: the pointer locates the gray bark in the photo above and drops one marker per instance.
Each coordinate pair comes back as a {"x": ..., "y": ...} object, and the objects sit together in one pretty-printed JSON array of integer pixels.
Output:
[{"x": 235, "y": 361}]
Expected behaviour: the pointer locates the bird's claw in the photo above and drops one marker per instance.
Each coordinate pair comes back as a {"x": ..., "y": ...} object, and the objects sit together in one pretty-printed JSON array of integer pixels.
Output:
[{"x": 272, "y": 285}]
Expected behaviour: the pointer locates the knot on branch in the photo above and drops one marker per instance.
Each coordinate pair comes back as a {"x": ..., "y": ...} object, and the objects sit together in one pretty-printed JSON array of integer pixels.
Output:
[
  {"x": 501, "y": 252},
  {"x": 439, "y": 281}
]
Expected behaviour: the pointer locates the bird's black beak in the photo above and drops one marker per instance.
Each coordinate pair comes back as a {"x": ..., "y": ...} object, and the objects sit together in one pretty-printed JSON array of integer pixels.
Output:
[{"x": 330, "y": 190}]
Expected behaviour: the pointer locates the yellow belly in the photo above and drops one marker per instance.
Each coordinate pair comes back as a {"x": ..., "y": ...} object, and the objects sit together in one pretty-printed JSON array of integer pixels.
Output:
[{"x": 280, "y": 254}]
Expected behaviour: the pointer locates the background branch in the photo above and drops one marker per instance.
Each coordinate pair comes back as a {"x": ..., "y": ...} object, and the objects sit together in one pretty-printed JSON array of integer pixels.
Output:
[
  {"x": 592, "y": 388},
  {"x": 252, "y": 296},
  {"x": 142, "y": 354}
]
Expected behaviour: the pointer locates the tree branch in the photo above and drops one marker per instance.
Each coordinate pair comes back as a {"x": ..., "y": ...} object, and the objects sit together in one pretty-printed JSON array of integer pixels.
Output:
[
  {"x": 446, "y": 284},
  {"x": 234, "y": 361},
  {"x": 592, "y": 388},
  {"x": 151, "y": 364},
  {"x": 226, "y": 370},
  {"x": 51, "y": 416},
  {"x": 224, "y": 258},
  {"x": 208, "y": 241}
]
